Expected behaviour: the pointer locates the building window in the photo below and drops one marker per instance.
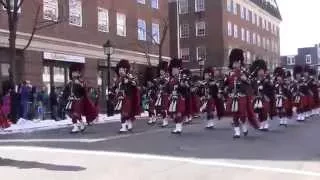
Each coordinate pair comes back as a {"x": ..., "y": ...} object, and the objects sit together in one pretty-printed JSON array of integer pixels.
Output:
[
  {"x": 200, "y": 5},
  {"x": 229, "y": 29},
  {"x": 184, "y": 30},
  {"x": 121, "y": 24},
  {"x": 248, "y": 15},
  {"x": 183, "y": 6},
  {"x": 267, "y": 25},
  {"x": 242, "y": 12},
  {"x": 268, "y": 44},
  {"x": 263, "y": 23},
  {"x": 103, "y": 20},
  {"x": 141, "y": 1},
  {"x": 235, "y": 8},
  {"x": 5, "y": 69},
  {"x": 155, "y": 4},
  {"x": 185, "y": 54},
  {"x": 142, "y": 30},
  {"x": 258, "y": 21},
  {"x": 264, "y": 43},
  {"x": 229, "y": 5},
  {"x": 200, "y": 28},
  {"x": 254, "y": 16},
  {"x": 243, "y": 34},
  {"x": 291, "y": 61},
  {"x": 248, "y": 36},
  {"x": 156, "y": 33},
  {"x": 75, "y": 12},
  {"x": 201, "y": 53},
  {"x": 254, "y": 38},
  {"x": 50, "y": 10},
  {"x": 12, "y": 5},
  {"x": 308, "y": 59},
  {"x": 235, "y": 31},
  {"x": 258, "y": 40}
]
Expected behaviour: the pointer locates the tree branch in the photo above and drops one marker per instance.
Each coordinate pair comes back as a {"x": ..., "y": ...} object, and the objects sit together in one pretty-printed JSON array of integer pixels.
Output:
[
  {"x": 19, "y": 5},
  {"x": 2, "y": 2}
]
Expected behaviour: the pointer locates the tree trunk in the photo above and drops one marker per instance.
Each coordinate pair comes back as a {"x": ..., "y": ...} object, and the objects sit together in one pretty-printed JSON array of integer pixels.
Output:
[{"x": 13, "y": 56}]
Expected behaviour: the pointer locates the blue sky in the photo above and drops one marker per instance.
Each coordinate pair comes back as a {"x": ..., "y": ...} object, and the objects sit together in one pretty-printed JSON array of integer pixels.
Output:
[{"x": 300, "y": 26}]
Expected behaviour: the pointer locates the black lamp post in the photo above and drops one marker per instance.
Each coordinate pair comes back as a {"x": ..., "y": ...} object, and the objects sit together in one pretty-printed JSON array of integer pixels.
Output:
[{"x": 108, "y": 50}]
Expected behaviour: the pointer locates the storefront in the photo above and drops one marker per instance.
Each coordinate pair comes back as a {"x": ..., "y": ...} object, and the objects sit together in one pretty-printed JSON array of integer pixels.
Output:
[{"x": 56, "y": 69}]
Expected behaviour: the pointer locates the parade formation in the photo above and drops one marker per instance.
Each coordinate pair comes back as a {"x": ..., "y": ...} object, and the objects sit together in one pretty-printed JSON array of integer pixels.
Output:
[{"x": 250, "y": 97}]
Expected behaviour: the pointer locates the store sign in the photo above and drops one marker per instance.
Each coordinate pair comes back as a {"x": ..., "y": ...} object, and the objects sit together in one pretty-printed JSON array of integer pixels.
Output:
[{"x": 63, "y": 57}]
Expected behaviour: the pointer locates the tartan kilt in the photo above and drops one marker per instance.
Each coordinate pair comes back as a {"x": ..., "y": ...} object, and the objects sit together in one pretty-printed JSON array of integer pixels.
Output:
[
  {"x": 126, "y": 110},
  {"x": 164, "y": 104},
  {"x": 77, "y": 108},
  {"x": 288, "y": 105},
  {"x": 180, "y": 108},
  {"x": 210, "y": 106},
  {"x": 242, "y": 107},
  {"x": 195, "y": 104},
  {"x": 304, "y": 101},
  {"x": 151, "y": 105},
  {"x": 310, "y": 104}
]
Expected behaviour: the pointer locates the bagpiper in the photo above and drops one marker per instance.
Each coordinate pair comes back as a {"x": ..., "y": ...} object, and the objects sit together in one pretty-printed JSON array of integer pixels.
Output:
[
  {"x": 150, "y": 94},
  {"x": 128, "y": 96},
  {"x": 300, "y": 91},
  {"x": 283, "y": 96},
  {"x": 78, "y": 102},
  {"x": 162, "y": 94},
  {"x": 209, "y": 95},
  {"x": 237, "y": 88},
  {"x": 313, "y": 95},
  {"x": 263, "y": 93},
  {"x": 176, "y": 107}
]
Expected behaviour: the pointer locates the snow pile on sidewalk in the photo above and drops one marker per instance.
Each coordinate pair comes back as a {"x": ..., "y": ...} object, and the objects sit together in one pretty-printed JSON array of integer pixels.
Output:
[{"x": 25, "y": 126}]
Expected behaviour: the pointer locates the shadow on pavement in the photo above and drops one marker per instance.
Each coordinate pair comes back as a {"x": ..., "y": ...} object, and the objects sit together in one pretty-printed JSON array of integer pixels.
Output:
[{"x": 38, "y": 165}]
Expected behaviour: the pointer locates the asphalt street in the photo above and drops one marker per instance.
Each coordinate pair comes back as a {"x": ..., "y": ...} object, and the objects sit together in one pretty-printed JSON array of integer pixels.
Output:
[{"x": 150, "y": 152}]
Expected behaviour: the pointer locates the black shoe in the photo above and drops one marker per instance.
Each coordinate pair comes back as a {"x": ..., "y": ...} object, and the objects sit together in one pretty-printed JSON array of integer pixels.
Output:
[
  {"x": 246, "y": 133},
  {"x": 176, "y": 132},
  {"x": 236, "y": 137},
  {"x": 210, "y": 128}
]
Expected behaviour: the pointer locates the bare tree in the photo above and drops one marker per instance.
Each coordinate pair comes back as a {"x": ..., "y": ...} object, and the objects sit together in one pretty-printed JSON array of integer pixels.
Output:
[{"x": 13, "y": 8}]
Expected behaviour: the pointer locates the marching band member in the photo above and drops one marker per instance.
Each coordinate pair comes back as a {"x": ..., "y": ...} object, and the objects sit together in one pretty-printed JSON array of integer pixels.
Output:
[
  {"x": 313, "y": 91},
  {"x": 209, "y": 93},
  {"x": 177, "y": 103},
  {"x": 128, "y": 103},
  {"x": 300, "y": 90},
  {"x": 283, "y": 96},
  {"x": 262, "y": 88},
  {"x": 162, "y": 99},
  {"x": 150, "y": 93},
  {"x": 78, "y": 102},
  {"x": 237, "y": 87}
]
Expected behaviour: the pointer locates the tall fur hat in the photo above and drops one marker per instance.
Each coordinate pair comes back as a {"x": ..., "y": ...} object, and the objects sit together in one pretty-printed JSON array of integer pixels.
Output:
[
  {"x": 258, "y": 65},
  {"x": 123, "y": 64},
  {"x": 75, "y": 69},
  {"x": 208, "y": 70},
  {"x": 297, "y": 70},
  {"x": 186, "y": 72},
  {"x": 163, "y": 65},
  {"x": 288, "y": 74},
  {"x": 312, "y": 72},
  {"x": 279, "y": 71},
  {"x": 236, "y": 55}
]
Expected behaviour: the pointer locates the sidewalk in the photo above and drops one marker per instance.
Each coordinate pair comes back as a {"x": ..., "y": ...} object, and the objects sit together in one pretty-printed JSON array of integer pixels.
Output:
[{"x": 27, "y": 126}]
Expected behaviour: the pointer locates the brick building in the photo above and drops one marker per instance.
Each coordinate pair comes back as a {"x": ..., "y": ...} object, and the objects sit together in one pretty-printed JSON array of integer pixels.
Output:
[
  {"x": 309, "y": 56},
  {"x": 208, "y": 30},
  {"x": 79, "y": 39}
]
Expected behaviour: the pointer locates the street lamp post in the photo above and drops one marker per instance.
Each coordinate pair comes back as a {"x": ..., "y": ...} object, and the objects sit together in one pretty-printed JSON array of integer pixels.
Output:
[{"x": 108, "y": 50}]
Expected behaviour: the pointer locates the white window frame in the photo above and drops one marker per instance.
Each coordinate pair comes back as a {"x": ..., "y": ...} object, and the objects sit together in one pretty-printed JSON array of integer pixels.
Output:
[
  {"x": 242, "y": 12},
  {"x": 184, "y": 31},
  {"x": 156, "y": 33},
  {"x": 200, "y": 5},
  {"x": 103, "y": 19},
  {"x": 121, "y": 28},
  {"x": 200, "y": 26},
  {"x": 199, "y": 57},
  {"x": 308, "y": 59},
  {"x": 229, "y": 5},
  {"x": 75, "y": 12},
  {"x": 51, "y": 10},
  {"x": 185, "y": 54},
  {"x": 243, "y": 34},
  {"x": 183, "y": 6},
  {"x": 235, "y": 31},
  {"x": 254, "y": 38},
  {"x": 248, "y": 37},
  {"x": 155, "y": 4},
  {"x": 247, "y": 14},
  {"x": 235, "y": 8},
  {"x": 141, "y": 1},
  {"x": 142, "y": 30},
  {"x": 229, "y": 26},
  {"x": 254, "y": 16},
  {"x": 258, "y": 21},
  {"x": 258, "y": 40},
  {"x": 291, "y": 60},
  {"x": 264, "y": 43}
]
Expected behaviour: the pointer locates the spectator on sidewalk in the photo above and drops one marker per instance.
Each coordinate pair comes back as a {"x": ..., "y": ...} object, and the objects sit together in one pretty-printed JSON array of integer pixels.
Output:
[
  {"x": 25, "y": 91},
  {"x": 42, "y": 103},
  {"x": 54, "y": 102}
]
